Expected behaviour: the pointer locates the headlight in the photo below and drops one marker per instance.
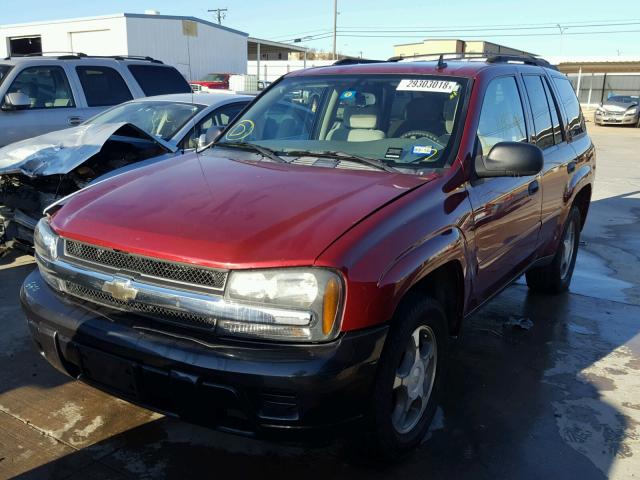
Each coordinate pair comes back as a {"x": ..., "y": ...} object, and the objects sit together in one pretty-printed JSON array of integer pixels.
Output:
[
  {"x": 599, "y": 111},
  {"x": 631, "y": 111},
  {"x": 300, "y": 304},
  {"x": 45, "y": 240}
]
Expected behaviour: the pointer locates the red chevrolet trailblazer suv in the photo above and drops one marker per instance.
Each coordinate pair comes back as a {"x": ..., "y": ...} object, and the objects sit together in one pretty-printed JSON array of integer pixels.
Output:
[{"x": 310, "y": 267}]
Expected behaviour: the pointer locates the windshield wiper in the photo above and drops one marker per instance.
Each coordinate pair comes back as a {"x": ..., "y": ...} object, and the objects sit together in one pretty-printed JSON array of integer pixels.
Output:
[
  {"x": 264, "y": 151},
  {"x": 372, "y": 162}
]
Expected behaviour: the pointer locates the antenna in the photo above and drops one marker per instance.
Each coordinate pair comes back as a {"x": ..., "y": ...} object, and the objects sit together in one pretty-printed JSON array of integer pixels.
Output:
[
  {"x": 441, "y": 62},
  {"x": 219, "y": 13}
]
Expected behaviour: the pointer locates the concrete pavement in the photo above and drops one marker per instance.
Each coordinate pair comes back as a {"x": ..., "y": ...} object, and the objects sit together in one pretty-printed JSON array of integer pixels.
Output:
[{"x": 556, "y": 400}]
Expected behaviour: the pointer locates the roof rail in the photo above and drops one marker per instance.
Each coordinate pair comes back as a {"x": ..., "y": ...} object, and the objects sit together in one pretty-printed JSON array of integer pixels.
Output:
[
  {"x": 80, "y": 55},
  {"x": 487, "y": 57}
]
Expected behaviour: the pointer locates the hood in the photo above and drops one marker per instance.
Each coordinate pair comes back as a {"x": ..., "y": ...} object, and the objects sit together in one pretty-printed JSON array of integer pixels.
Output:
[
  {"x": 618, "y": 106},
  {"x": 64, "y": 150},
  {"x": 227, "y": 213}
]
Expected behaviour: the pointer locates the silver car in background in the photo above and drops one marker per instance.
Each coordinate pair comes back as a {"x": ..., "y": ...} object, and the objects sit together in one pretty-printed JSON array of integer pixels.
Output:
[
  {"x": 619, "y": 110},
  {"x": 36, "y": 172},
  {"x": 41, "y": 94}
]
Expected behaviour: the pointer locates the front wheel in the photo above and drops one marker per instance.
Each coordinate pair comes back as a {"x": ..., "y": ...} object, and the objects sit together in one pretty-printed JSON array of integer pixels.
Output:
[
  {"x": 410, "y": 378},
  {"x": 556, "y": 277}
]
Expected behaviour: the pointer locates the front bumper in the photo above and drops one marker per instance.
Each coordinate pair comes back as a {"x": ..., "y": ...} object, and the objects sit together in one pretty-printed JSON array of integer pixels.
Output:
[
  {"x": 604, "y": 119},
  {"x": 262, "y": 389}
]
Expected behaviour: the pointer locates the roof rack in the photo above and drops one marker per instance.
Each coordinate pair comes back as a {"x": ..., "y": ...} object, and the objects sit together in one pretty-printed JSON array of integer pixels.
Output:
[
  {"x": 80, "y": 55},
  {"x": 355, "y": 61},
  {"x": 487, "y": 57}
]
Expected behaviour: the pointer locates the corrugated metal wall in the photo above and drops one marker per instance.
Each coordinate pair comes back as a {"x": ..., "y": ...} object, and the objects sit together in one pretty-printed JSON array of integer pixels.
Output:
[{"x": 211, "y": 50}]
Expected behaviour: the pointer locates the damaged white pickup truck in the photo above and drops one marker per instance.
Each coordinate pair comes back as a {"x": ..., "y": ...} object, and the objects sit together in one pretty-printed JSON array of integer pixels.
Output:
[{"x": 36, "y": 172}]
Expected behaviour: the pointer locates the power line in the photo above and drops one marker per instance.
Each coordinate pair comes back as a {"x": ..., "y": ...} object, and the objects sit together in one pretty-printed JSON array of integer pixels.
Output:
[
  {"x": 440, "y": 30},
  {"x": 610, "y": 32}
]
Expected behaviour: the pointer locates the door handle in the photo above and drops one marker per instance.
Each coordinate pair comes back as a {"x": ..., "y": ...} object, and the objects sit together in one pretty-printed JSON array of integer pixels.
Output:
[
  {"x": 73, "y": 121},
  {"x": 571, "y": 166},
  {"x": 534, "y": 187}
]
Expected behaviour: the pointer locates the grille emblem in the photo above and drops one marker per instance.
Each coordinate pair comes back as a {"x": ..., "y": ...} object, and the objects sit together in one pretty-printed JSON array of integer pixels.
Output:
[{"x": 120, "y": 289}]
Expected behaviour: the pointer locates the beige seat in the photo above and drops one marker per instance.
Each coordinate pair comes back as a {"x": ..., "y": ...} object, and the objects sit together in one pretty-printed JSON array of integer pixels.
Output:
[{"x": 359, "y": 125}]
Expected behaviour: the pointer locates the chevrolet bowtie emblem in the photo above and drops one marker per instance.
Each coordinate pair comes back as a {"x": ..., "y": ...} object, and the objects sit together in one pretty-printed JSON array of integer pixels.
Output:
[{"x": 120, "y": 289}]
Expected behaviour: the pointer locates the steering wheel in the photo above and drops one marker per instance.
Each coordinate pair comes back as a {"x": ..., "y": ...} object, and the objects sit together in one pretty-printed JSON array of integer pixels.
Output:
[{"x": 421, "y": 133}]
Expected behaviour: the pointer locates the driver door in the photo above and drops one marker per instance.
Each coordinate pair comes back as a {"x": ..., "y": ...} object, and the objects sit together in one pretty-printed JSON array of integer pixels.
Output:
[{"x": 507, "y": 210}]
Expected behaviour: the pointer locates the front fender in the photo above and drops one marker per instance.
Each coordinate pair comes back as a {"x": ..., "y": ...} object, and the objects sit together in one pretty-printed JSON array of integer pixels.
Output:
[{"x": 444, "y": 246}]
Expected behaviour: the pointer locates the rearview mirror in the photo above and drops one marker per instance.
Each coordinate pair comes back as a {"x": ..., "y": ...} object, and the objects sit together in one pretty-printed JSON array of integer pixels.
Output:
[
  {"x": 510, "y": 159},
  {"x": 16, "y": 101},
  {"x": 209, "y": 136}
]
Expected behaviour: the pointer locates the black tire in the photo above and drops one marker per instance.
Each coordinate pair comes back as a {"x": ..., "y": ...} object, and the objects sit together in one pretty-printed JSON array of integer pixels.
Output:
[
  {"x": 555, "y": 277},
  {"x": 383, "y": 439}
]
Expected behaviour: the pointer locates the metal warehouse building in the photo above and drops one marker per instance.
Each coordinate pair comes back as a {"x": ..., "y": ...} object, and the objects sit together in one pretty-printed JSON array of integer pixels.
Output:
[{"x": 194, "y": 46}]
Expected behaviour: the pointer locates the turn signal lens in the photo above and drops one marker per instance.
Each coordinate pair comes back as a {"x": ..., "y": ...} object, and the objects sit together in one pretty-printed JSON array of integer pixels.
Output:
[{"x": 330, "y": 305}]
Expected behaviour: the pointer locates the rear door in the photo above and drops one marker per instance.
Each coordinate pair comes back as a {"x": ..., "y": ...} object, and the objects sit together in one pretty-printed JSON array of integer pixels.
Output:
[
  {"x": 559, "y": 158},
  {"x": 102, "y": 87},
  {"x": 52, "y": 103},
  {"x": 506, "y": 211}
]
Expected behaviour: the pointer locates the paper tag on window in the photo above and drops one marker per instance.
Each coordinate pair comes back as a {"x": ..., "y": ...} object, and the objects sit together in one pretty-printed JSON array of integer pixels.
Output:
[{"x": 418, "y": 85}]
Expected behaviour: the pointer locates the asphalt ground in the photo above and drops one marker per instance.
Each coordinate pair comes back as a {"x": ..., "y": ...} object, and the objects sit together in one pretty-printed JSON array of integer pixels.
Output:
[{"x": 537, "y": 387}]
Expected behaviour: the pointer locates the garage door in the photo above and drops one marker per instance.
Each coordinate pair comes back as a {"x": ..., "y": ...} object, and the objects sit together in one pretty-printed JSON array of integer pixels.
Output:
[{"x": 94, "y": 42}]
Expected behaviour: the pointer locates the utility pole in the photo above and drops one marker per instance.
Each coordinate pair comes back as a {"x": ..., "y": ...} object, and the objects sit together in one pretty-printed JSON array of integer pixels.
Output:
[
  {"x": 219, "y": 13},
  {"x": 335, "y": 26}
]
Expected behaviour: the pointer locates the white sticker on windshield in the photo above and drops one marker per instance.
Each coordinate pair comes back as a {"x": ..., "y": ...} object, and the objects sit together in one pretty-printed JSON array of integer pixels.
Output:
[{"x": 418, "y": 85}]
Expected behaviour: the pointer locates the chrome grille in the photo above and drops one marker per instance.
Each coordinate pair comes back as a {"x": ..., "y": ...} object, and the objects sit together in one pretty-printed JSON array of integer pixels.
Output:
[
  {"x": 151, "y": 267},
  {"x": 158, "y": 313}
]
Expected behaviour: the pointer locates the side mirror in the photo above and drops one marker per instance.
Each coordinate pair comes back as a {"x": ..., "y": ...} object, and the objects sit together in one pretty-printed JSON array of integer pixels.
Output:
[
  {"x": 510, "y": 159},
  {"x": 16, "y": 101},
  {"x": 209, "y": 136}
]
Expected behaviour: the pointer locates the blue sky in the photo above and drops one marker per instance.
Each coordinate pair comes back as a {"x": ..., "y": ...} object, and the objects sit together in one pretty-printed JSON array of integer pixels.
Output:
[{"x": 283, "y": 19}]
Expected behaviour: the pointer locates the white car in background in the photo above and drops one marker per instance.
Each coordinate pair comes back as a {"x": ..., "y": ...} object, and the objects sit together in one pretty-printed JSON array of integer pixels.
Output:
[{"x": 36, "y": 172}]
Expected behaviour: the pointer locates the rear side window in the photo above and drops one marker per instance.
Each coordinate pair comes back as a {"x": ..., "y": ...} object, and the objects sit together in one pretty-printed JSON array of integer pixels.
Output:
[
  {"x": 558, "y": 136},
  {"x": 502, "y": 115},
  {"x": 103, "y": 86},
  {"x": 46, "y": 87},
  {"x": 540, "y": 109},
  {"x": 571, "y": 106},
  {"x": 157, "y": 80}
]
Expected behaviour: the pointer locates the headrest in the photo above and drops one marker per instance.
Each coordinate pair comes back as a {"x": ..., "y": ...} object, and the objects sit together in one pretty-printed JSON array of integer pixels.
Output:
[{"x": 364, "y": 118}]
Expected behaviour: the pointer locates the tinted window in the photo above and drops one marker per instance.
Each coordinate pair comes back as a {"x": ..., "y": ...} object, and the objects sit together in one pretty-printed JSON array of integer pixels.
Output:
[
  {"x": 558, "y": 136},
  {"x": 571, "y": 105},
  {"x": 46, "y": 86},
  {"x": 157, "y": 80},
  {"x": 103, "y": 86},
  {"x": 502, "y": 116},
  {"x": 540, "y": 110}
]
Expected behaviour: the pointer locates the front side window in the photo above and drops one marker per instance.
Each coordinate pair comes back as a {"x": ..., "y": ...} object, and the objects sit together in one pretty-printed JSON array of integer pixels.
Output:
[
  {"x": 4, "y": 71},
  {"x": 218, "y": 118},
  {"x": 103, "y": 86},
  {"x": 543, "y": 128},
  {"x": 159, "y": 119},
  {"x": 502, "y": 116},
  {"x": 404, "y": 121},
  {"x": 568, "y": 98},
  {"x": 157, "y": 80},
  {"x": 46, "y": 87}
]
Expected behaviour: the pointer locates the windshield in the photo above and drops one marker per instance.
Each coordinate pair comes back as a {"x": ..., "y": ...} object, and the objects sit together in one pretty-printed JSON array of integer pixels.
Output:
[
  {"x": 403, "y": 121},
  {"x": 159, "y": 119},
  {"x": 4, "y": 71},
  {"x": 215, "y": 77},
  {"x": 623, "y": 99}
]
